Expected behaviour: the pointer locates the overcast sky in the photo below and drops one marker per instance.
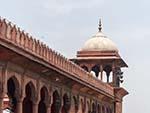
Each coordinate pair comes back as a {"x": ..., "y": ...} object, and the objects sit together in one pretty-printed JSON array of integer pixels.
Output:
[{"x": 66, "y": 24}]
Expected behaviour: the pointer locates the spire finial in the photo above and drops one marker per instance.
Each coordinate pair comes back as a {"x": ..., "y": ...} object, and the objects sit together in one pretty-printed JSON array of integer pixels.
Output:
[{"x": 100, "y": 25}]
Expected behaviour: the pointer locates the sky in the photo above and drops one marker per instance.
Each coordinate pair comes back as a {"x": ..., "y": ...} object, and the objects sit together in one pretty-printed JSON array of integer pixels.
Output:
[{"x": 65, "y": 25}]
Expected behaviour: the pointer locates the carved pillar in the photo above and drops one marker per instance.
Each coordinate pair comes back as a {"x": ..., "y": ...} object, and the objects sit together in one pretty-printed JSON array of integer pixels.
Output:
[
  {"x": 35, "y": 103},
  {"x": 19, "y": 106},
  {"x": 101, "y": 70},
  {"x": 48, "y": 109},
  {"x": 72, "y": 108},
  {"x": 113, "y": 107},
  {"x": 80, "y": 106},
  {"x": 48, "y": 105},
  {"x": 118, "y": 107},
  {"x": 114, "y": 74},
  {"x": 101, "y": 109},
  {"x": 35, "y": 107},
  {"x": 1, "y": 94},
  {"x": 3, "y": 84},
  {"x": 19, "y": 94},
  {"x": 74, "y": 104},
  {"x": 36, "y": 100}
]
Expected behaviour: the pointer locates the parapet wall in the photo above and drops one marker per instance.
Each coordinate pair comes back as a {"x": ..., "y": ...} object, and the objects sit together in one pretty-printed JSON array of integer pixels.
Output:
[{"x": 11, "y": 34}]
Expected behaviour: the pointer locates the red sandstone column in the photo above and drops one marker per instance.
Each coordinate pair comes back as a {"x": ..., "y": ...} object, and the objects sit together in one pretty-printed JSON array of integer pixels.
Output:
[
  {"x": 49, "y": 109},
  {"x": 114, "y": 74},
  {"x": 3, "y": 86},
  {"x": 48, "y": 103},
  {"x": 72, "y": 108},
  {"x": 1, "y": 104},
  {"x": 118, "y": 107},
  {"x": 60, "y": 111},
  {"x": 80, "y": 107},
  {"x": 35, "y": 107},
  {"x": 19, "y": 106}
]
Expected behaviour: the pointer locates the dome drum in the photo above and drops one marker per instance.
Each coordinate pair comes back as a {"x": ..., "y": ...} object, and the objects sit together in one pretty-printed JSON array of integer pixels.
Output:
[{"x": 98, "y": 54}]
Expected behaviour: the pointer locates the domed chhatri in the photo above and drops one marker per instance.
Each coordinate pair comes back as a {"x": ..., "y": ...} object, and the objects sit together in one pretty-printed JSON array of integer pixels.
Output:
[
  {"x": 99, "y": 42},
  {"x": 99, "y": 49}
]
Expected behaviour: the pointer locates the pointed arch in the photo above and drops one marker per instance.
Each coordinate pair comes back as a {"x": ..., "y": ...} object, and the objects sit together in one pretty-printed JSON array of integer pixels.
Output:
[
  {"x": 30, "y": 96},
  {"x": 107, "y": 110},
  {"x": 55, "y": 108},
  {"x": 82, "y": 105},
  {"x": 110, "y": 110},
  {"x": 66, "y": 104},
  {"x": 96, "y": 70},
  {"x": 43, "y": 100},
  {"x": 98, "y": 108},
  {"x": 13, "y": 90},
  {"x": 107, "y": 69},
  {"x": 103, "y": 109},
  {"x": 88, "y": 106},
  {"x": 93, "y": 107},
  {"x": 76, "y": 103}
]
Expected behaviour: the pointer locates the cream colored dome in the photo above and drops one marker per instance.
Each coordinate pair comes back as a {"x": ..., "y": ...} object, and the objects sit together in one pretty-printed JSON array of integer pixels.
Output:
[{"x": 99, "y": 42}]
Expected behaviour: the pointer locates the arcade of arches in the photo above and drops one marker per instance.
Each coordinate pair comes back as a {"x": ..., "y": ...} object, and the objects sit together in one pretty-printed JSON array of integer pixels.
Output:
[
  {"x": 28, "y": 95},
  {"x": 105, "y": 74}
]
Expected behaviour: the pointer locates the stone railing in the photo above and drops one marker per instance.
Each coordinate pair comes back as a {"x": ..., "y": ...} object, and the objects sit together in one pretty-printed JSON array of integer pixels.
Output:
[{"x": 12, "y": 34}]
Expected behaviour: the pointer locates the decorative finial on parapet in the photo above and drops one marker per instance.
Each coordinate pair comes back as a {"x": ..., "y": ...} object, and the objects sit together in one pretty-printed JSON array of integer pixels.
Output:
[{"x": 100, "y": 25}]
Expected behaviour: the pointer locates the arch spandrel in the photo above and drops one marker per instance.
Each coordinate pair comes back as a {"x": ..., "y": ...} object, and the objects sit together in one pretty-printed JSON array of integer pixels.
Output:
[
  {"x": 16, "y": 75},
  {"x": 29, "y": 80}
]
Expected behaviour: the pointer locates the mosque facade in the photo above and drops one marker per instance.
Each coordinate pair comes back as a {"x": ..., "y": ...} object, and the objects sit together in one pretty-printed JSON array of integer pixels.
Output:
[{"x": 36, "y": 79}]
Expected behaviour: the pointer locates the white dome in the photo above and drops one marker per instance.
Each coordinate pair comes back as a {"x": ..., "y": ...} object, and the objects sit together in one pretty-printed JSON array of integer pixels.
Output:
[{"x": 99, "y": 42}]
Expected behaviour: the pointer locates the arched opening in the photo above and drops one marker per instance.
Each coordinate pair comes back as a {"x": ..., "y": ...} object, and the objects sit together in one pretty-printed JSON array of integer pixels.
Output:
[
  {"x": 12, "y": 91},
  {"x": 98, "y": 109},
  {"x": 107, "y": 110},
  {"x": 96, "y": 70},
  {"x": 110, "y": 110},
  {"x": 93, "y": 108},
  {"x": 103, "y": 109},
  {"x": 28, "y": 100},
  {"x": 55, "y": 108},
  {"x": 85, "y": 68},
  {"x": 89, "y": 108},
  {"x": 76, "y": 105},
  {"x": 42, "y": 103},
  {"x": 82, "y": 106},
  {"x": 107, "y": 69},
  {"x": 66, "y": 104}
]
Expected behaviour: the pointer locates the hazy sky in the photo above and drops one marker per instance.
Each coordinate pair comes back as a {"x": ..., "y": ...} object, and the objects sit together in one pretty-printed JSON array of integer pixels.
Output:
[{"x": 66, "y": 24}]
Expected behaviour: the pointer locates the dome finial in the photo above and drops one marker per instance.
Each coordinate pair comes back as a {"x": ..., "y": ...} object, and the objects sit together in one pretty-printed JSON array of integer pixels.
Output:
[{"x": 100, "y": 25}]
